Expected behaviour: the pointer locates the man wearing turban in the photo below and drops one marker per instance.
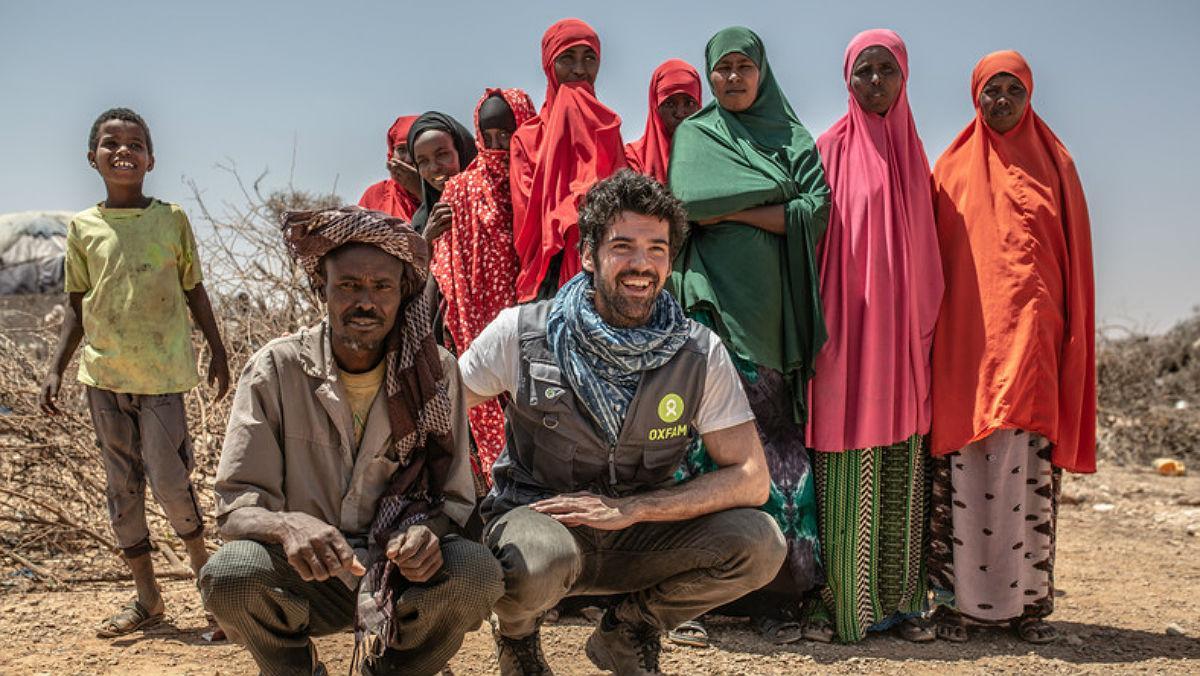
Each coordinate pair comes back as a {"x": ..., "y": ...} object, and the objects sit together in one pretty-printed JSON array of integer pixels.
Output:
[{"x": 344, "y": 476}]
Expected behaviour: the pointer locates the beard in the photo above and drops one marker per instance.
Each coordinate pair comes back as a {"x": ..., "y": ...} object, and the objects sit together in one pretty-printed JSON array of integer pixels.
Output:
[
  {"x": 355, "y": 344},
  {"x": 356, "y": 341},
  {"x": 626, "y": 312}
]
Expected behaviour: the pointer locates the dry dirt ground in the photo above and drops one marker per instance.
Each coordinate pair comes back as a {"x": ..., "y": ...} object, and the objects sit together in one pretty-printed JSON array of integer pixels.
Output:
[{"x": 1128, "y": 568}]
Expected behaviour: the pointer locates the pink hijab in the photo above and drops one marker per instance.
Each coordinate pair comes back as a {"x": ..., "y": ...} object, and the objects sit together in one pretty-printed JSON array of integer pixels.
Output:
[{"x": 881, "y": 274}]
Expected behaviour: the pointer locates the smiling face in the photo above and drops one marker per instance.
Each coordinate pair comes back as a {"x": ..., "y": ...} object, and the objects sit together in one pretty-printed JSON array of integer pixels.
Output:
[
  {"x": 630, "y": 265},
  {"x": 122, "y": 154},
  {"x": 363, "y": 291},
  {"x": 577, "y": 64},
  {"x": 435, "y": 157},
  {"x": 1003, "y": 100},
  {"x": 875, "y": 79},
  {"x": 676, "y": 109},
  {"x": 734, "y": 82}
]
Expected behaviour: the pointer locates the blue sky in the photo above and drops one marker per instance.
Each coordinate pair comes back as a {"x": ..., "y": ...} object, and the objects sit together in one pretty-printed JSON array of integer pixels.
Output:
[{"x": 243, "y": 81}]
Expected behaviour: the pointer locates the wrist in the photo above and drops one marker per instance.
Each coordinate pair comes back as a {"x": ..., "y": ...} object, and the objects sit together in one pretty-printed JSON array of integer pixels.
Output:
[
  {"x": 633, "y": 508},
  {"x": 279, "y": 526}
]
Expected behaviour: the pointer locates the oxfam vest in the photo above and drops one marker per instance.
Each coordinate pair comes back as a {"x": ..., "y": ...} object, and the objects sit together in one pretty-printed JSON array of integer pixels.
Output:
[{"x": 553, "y": 445}]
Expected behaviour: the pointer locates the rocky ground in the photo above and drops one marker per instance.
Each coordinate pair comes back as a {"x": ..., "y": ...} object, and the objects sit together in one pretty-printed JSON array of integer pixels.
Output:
[{"x": 1129, "y": 601}]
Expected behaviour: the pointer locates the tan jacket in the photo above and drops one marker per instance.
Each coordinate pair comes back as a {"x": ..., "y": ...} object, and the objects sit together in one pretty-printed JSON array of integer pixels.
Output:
[{"x": 289, "y": 446}]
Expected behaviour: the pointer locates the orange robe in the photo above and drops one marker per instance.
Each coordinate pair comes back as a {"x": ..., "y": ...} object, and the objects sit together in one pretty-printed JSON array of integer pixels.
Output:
[{"x": 1014, "y": 345}]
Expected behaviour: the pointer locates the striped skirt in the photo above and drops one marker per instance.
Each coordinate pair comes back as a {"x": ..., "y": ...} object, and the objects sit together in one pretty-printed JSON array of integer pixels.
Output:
[{"x": 872, "y": 507}]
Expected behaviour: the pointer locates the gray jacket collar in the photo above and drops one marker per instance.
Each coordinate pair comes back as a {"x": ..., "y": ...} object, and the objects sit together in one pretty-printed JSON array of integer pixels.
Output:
[{"x": 316, "y": 351}]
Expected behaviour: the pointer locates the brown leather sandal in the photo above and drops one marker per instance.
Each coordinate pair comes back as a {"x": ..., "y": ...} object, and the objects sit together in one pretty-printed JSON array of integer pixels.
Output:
[
  {"x": 1035, "y": 630},
  {"x": 691, "y": 633},
  {"x": 950, "y": 626},
  {"x": 132, "y": 616}
]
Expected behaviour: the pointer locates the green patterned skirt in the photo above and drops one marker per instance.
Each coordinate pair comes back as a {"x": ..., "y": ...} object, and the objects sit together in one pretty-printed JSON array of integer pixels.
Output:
[{"x": 872, "y": 506}]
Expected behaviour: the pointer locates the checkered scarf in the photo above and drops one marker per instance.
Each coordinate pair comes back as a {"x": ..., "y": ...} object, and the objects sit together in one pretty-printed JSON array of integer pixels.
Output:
[{"x": 418, "y": 402}]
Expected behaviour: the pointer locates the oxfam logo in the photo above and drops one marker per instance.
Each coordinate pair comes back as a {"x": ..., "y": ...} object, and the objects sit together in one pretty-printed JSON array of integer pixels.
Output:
[{"x": 670, "y": 408}]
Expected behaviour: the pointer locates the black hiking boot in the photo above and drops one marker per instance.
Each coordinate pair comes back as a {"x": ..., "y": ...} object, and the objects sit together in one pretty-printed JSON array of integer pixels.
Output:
[
  {"x": 623, "y": 648},
  {"x": 521, "y": 656}
]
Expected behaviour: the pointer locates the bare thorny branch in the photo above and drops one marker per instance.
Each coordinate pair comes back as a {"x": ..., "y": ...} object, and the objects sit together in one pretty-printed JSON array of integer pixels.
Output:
[{"x": 53, "y": 514}]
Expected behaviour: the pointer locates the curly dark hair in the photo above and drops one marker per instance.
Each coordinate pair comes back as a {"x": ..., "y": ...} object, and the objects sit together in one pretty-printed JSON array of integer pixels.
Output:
[
  {"x": 125, "y": 115},
  {"x": 629, "y": 191}
]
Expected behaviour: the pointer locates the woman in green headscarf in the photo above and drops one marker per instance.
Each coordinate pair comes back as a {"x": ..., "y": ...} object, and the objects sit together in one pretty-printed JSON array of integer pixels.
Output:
[{"x": 752, "y": 181}]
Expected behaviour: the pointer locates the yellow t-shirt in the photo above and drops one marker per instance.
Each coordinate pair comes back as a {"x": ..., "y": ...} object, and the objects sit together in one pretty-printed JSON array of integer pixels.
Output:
[
  {"x": 361, "y": 389},
  {"x": 133, "y": 266}
]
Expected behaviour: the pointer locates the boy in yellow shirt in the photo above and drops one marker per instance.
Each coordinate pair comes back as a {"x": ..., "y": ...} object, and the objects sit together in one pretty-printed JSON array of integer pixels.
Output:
[{"x": 132, "y": 274}]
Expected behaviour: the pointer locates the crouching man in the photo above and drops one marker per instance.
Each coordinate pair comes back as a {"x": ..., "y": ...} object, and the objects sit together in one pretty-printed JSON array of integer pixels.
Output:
[
  {"x": 608, "y": 384},
  {"x": 345, "y": 470}
]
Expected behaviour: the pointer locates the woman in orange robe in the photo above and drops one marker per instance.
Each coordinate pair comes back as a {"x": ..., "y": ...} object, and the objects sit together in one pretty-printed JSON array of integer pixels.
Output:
[{"x": 1014, "y": 385}]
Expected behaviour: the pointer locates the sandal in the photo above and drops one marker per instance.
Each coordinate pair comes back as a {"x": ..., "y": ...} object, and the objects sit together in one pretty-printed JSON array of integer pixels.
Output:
[
  {"x": 779, "y": 632},
  {"x": 132, "y": 617},
  {"x": 950, "y": 626},
  {"x": 691, "y": 633},
  {"x": 916, "y": 630},
  {"x": 1035, "y": 630},
  {"x": 818, "y": 630}
]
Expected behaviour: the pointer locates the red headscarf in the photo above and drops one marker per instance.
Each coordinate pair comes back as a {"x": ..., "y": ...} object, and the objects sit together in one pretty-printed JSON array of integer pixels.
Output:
[
  {"x": 387, "y": 195},
  {"x": 881, "y": 273},
  {"x": 651, "y": 153},
  {"x": 573, "y": 142},
  {"x": 1015, "y": 342},
  {"x": 474, "y": 262}
]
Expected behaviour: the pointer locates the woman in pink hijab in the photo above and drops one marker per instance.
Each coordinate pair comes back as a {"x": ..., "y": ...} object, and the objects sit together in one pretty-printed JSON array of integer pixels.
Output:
[{"x": 869, "y": 402}]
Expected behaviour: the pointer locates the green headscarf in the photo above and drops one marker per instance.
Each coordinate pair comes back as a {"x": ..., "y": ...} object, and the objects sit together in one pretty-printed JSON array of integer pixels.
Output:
[{"x": 758, "y": 290}]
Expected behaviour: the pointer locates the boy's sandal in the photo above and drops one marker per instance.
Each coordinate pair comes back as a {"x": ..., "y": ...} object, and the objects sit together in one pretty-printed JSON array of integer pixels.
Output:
[
  {"x": 917, "y": 630},
  {"x": 1035, "y": 630},
  {"x": 691, "y": 633},
  {"x": 130, "y": 618},
  {"x": 779, "y": 632},
  {"x": 950, "y": 626}
]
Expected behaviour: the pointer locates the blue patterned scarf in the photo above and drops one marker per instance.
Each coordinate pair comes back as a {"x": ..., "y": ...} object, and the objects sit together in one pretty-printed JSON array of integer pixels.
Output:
[{"x": 603, "y": 363}]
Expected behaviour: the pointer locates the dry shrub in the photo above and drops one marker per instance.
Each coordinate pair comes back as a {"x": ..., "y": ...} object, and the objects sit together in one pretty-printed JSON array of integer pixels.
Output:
[
  {"x": 1149, "y": 395},
  {"x": 53, "y": 516}
]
